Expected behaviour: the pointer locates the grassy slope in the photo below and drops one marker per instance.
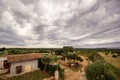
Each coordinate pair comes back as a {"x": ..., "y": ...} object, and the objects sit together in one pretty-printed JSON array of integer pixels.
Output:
[
  {"x": 35, "y": 75},
  {"x": 113, "y": 63}
]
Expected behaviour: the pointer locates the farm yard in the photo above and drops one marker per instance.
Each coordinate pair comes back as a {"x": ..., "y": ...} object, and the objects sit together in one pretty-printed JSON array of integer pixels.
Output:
[
  {"x": 59, "y": 39},
  {"x": 72, "y": 72},
  {"x": 71, "y": 64}
]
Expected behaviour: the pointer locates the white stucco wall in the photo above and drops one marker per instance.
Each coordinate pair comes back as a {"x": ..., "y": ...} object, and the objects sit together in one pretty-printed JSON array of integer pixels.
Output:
[
  {"x": 2, "y": 62},
  {"x": 33, "y": 63}
]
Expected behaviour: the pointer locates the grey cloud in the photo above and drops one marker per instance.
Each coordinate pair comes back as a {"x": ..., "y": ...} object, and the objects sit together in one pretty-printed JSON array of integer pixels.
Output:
[
  {"x": 51, "y": 23},
  {"x": 10, "y": 39},
  {"x": 107, "y": 45}
]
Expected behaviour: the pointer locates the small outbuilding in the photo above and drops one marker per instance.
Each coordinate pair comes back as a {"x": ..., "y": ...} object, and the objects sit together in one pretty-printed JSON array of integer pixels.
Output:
[{"x": 23, "y": 62}]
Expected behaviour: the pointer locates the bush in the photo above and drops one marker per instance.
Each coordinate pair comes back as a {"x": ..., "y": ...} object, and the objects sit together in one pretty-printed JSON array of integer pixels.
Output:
[
  {"x": 51, "y": 69},
  {"x": 79, "y": 58},
  {"x": 91, "y": 57},
  {"x": 98, "y": 71},
  {"x": 1, "y": 52},
  {"x": 114, "y": 56}
]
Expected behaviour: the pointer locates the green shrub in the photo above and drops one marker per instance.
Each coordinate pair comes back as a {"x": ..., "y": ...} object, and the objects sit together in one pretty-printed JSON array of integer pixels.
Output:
[
  {"x": 51, "y": 69},
  {"x": 1, "y": 52},
  {"x": 91, "y": 57},
  {"x": 79, "y": 59},
  {"x": 98, "y": 71}
]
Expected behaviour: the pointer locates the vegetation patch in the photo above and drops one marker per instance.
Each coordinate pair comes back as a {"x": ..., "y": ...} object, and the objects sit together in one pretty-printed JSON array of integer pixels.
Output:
[
  {"x": 98, "y": 71},
  {"x": 108, "y": 58},
  {"x": 35, "y": 75}
]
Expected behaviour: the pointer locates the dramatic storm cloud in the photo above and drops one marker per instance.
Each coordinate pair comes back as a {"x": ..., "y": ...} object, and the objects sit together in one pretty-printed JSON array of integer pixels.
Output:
[{"x": 56, "y": 23}]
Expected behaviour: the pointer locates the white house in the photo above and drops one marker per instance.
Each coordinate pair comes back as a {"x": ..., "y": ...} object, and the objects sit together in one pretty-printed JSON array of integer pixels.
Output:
[{"x": 20, "y": 63}]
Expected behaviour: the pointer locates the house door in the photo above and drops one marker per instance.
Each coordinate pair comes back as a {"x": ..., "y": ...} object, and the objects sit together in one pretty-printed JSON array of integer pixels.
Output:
[
  {"x": 27, "y": 68},
  {"x": 18, "y": 69}
]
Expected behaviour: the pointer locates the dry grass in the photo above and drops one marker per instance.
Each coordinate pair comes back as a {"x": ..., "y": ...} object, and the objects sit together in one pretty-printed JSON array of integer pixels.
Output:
[{"x": 114, "y": 61}]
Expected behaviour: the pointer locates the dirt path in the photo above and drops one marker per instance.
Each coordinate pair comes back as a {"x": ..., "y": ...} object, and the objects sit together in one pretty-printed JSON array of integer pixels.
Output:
[
  {"x": 85, "y": 62},
  {"x": 72, "y": 75}
]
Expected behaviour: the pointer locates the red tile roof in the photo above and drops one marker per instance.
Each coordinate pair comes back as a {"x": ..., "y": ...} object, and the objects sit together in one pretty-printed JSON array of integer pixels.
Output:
[{"x": 23, "y": 57}]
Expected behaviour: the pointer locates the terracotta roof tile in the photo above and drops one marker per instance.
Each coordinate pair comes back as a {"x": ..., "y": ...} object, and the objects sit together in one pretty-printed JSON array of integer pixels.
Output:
[{"x": 23, "y": 57}]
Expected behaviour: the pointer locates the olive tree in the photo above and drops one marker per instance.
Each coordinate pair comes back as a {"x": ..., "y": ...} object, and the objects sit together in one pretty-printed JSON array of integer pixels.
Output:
[{"x": 46, "y": 60}]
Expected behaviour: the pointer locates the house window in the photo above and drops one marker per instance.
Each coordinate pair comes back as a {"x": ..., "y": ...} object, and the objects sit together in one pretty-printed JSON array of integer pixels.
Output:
[
  {"x": 18, "y": 69},
  {"x": 6, "y": 64}
]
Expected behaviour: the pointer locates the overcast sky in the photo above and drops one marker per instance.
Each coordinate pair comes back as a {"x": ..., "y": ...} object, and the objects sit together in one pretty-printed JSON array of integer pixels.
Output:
[{"x": 56, "y": 23}]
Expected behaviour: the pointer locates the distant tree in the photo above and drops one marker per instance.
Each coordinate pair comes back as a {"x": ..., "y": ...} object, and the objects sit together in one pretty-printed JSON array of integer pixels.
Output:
[
  {"x": 3, "y": 49},
  {"x": 76, "y": 57},
  {"x": 67, "y": 49},
  {"x": 58, "y": 52},
  {"x": 73, "y": 56}
]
